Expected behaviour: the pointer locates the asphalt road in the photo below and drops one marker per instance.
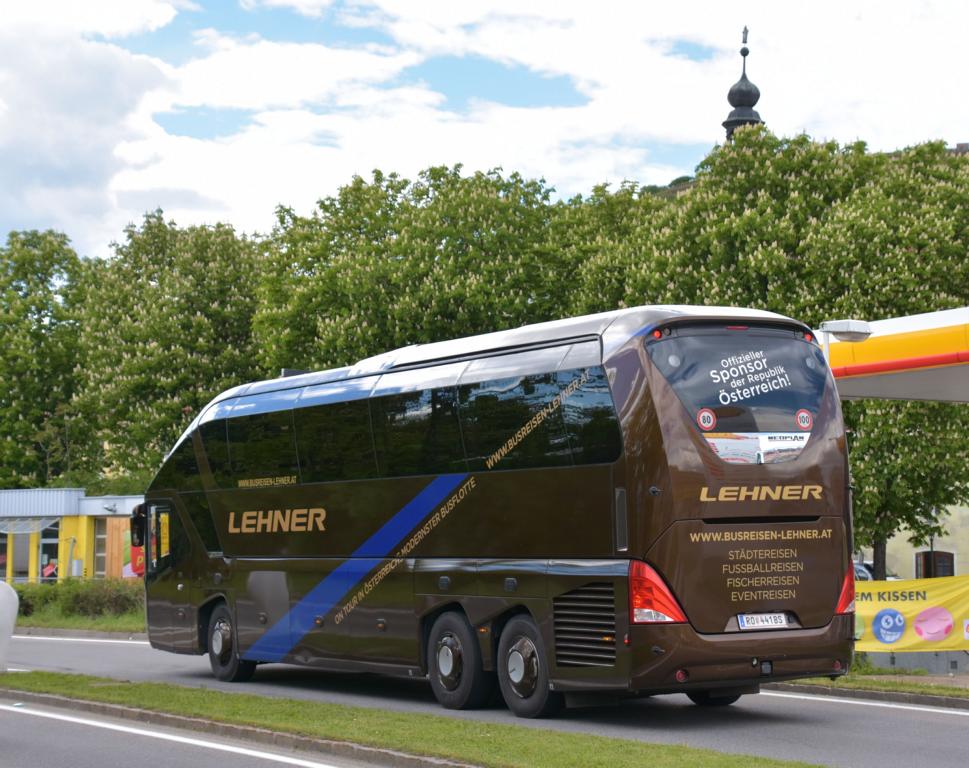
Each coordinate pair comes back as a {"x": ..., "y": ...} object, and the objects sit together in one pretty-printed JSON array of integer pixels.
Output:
[
  {"x": 32, "y": 736},
  {"x": 813, "y": 729}
]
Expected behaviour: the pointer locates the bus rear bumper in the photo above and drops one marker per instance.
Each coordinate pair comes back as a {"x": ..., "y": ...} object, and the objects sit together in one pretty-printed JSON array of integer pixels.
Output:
[{"x": 674, "y": 657}]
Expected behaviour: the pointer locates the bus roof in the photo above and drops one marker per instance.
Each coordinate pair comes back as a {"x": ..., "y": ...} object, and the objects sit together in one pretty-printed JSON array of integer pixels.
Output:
[{"x": 611, "y": 329}]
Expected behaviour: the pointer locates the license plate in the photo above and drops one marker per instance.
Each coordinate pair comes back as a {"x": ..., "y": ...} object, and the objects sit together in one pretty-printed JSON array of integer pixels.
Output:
[{"x": 762, "y": 620}]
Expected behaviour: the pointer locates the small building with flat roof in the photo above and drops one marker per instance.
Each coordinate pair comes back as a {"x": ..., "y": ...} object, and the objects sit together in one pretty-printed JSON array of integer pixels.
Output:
[{"x": 49, "y": 534}]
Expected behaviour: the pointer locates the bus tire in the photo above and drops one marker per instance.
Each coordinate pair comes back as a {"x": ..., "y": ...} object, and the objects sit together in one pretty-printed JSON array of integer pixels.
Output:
[
  {"x": 224, "y": 648},
  {"x": 523, "y": 670},
  {"x": 454, "y": 666},
  {"x": 708, "y": 699}
]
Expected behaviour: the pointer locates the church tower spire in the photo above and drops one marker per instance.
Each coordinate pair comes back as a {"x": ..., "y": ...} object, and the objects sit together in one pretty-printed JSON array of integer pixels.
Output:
[{"x": 743, "y": 96}]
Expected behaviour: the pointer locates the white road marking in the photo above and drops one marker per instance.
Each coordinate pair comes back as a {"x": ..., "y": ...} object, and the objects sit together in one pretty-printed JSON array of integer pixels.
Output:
[
  {"x": 257, "y": 753},
  {"x": 15, "y": 669},
  {"x": 868, "y": 703},
  {"x": 80, "y": 639}
]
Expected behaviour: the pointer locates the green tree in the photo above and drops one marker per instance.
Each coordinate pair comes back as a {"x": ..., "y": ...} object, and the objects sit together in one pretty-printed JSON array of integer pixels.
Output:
[
  {"x": 390, "y": 262},
  {"x": 334, "y": 267},
  {"x": 165, "y": 326},
  {"x": 908, "y": 462},
  {"x": 472, "y": 257},
  {"x": 893, "y": 247},
  {"x": 37, "y": 357},
  {"x": 602, "y": 235},
  {"x": 818, "y": 231},
  {"x": 737, "y": 237}
]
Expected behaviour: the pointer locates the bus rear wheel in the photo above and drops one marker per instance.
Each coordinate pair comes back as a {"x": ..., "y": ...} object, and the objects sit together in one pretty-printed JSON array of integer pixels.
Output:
[
  {"x": 454, "y": 664},
  {"x": 709, "y": 699},
  {"x": 224, "y": 649},
  {"x": 523, "y": 671}
]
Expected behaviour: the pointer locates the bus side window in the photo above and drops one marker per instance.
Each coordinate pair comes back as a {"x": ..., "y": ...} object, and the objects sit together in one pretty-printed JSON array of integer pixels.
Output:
[
  {"x": 197, "y": 507},
  {"x": 213, "y": 435},
  {"x": 262, "y": 446},
  {"x": 511, "y": 424},
  {"x": 590, "y": 417},
  {"x": 159, "y": 548},
  {"x": 334, "y": 442},
  {"x": 168, "y": 544},
  {"x": 417, "y": 433},
  {"x": 181, "y": 471}
]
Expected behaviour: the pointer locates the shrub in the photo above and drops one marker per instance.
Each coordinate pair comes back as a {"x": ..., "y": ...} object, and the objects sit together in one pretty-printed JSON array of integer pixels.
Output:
[
  {"x": 100, "y": 597},
  {"x": 75, "y": 597},
  {"x": 35, "y": 597}
]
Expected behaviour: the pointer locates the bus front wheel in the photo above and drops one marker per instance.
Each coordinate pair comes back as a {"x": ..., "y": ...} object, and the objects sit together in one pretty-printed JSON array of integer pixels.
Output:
[
  {"x": 454, "y": 664},
  {"x": 224, "y": 650},
  {"x": 523, "y": 670}
]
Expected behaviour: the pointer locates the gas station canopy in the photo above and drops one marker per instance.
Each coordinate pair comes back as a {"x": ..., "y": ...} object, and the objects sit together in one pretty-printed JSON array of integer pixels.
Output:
[{"x": 919, "y": 357}]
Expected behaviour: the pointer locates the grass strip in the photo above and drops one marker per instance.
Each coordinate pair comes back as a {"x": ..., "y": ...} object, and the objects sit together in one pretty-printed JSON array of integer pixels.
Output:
[
  {"x": 486, "y": 744},
  {"x": 867, "y": 683},
  {"x": 52, "y": 617}
]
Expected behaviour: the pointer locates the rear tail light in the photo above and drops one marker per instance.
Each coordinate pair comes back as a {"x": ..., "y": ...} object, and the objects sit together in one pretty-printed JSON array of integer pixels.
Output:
[
  {"x": 650, "y": 600},
  {"x": 846, "y": 602}
]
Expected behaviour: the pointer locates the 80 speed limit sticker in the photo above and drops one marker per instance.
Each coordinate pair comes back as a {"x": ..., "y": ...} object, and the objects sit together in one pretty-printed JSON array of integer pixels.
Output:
[{"x": 706, "y": 418}]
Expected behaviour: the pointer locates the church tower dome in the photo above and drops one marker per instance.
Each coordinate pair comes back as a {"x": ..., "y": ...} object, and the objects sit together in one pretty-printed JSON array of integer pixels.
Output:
[{"x": 743, "y": 97}]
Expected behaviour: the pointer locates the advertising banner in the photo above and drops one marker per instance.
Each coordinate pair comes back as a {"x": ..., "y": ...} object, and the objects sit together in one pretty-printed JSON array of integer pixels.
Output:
[{"x": 914, "y": 615}]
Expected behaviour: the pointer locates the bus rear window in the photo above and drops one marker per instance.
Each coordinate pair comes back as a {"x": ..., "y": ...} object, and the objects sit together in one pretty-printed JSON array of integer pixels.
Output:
[{"x": 753, "y": 392}]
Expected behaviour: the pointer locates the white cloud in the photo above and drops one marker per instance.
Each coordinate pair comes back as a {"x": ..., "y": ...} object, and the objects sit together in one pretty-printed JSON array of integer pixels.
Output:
[
  {"x": 67, "y": 103},
  {"x": 86, "y": 145},
  {"x": 312, "y": 8},
  {"x": 110, "y": 18},
  {"x": 258, "y": 74}
]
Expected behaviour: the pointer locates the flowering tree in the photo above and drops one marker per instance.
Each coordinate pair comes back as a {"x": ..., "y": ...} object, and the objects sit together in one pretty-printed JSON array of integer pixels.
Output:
[
  {"x": 812, "y": 230},
  {"x": 165, "y": 325},
  {"x": 37, "y": 357},
  {"x": 391, "y": 262}
]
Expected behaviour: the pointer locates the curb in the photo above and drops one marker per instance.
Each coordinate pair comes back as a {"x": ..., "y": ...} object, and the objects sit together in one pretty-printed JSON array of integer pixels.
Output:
[
  {"x": 347, "y": 749},
  {"x": 92, "y": 633},
  {"x": 896, "y": 697}
]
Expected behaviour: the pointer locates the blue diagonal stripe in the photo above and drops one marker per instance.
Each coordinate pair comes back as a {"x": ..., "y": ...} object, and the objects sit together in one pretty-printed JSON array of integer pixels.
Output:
[{"x": 286, "y": 633}]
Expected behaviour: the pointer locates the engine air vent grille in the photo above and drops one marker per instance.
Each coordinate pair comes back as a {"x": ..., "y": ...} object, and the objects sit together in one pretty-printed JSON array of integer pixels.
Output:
[{"x": 585, "y": 626}]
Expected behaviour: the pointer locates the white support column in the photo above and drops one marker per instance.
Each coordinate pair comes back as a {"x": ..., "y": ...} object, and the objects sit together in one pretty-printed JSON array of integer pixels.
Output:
[{"x": 9, "y": 602}]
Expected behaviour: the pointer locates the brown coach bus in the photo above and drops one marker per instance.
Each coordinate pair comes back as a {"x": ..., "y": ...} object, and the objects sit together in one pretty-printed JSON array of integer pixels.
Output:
[{"x": 651, "y": 500}]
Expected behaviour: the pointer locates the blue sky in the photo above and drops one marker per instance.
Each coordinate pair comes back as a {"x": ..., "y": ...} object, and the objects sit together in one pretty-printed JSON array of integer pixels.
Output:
[{"x": 220, "y": 111}]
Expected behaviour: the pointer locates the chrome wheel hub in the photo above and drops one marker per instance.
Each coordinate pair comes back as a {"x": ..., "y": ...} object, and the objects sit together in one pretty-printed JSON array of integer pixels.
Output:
[
  {"x": 445, "y": 661},
  {"x": 521, "y": 665},
  {"x": 516, "y": 666},
  {"x": 450, "y": 661},
  {"x": 222, "y": 638}
]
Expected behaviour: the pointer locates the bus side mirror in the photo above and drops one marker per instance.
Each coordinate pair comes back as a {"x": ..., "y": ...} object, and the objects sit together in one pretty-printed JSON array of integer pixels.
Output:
[{"x": 139, "y": 521}]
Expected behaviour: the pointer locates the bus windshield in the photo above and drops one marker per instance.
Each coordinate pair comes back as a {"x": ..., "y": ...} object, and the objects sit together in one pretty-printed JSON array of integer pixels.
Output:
[{"x": 752, "y": 392}]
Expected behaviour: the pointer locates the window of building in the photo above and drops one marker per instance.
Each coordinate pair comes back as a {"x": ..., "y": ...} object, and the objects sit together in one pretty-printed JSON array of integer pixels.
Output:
[
  {"x": 100, "y": 547},
  {"x": 933, "y": 564},
  {"x": 19, "y": 551},
  {"x": 49, "y": 540}
]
